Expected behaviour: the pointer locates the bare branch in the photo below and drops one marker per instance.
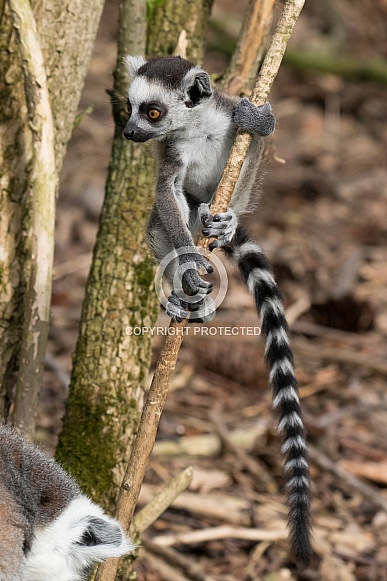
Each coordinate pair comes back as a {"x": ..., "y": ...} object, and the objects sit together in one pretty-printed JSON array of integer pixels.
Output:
[
  {"x": 266, "y": 77},
  {"x": 161, "y": 502},
  {"x": 40, "y": 230},
  {"x": 244, "y": 64},
  {"x": 177, "y": 560},
  {"x": 146, "y": 435},
  {"x": 221, "y": 532},
  {"x": 166, "y": 363}
]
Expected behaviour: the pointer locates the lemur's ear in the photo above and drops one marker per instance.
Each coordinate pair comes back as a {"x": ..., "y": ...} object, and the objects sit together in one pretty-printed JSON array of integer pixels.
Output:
[
  {"x": 197, "y": 86},
  {"x": 103, "y": 537},
  {"x": 133, "y": 63},
  {"x": 98, "y": 531}
]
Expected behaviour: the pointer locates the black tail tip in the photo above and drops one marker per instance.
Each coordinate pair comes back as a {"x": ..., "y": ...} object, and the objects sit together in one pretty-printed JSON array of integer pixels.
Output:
[{"x": 302, "y": 553}]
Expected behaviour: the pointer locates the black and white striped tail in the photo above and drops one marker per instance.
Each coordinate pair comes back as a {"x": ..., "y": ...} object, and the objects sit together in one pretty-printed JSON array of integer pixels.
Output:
[{"x": 256, "y": 271}]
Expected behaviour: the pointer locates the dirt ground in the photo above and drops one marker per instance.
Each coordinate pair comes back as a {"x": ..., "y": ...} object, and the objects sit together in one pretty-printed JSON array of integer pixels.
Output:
[{"x": 322, "y": 221}]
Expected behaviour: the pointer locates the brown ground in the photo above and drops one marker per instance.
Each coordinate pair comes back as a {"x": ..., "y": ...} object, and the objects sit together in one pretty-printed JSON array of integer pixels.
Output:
[{"x": 322, "y": 220}]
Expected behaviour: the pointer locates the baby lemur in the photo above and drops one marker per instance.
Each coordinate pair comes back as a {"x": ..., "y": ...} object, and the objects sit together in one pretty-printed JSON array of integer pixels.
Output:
[
  {"x": 49, "y": 530},
  {"x": 172, "y": 101}
]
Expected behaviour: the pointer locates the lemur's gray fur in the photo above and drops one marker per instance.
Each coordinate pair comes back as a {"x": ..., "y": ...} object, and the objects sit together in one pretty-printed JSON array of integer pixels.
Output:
[
  {"x": 49, "y": 530},
  {"x": 172, "y": 101}
]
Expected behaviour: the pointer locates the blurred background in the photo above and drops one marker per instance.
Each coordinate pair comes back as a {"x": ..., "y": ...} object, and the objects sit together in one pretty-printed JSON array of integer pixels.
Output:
[{"x": 322, "y": 221}]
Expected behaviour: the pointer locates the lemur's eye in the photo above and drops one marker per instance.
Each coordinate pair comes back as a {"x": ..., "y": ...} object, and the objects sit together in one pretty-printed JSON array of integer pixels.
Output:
[
  {"x": 128, "y": 107},
  {"x": 153, "y": 113}
]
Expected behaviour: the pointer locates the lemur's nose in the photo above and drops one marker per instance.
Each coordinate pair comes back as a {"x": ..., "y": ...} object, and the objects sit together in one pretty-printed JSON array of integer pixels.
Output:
[{"x": 128, "y": 133}]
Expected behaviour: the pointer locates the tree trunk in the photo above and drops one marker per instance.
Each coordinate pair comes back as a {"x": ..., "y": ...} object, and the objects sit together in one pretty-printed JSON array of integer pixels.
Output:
[
  {"x": 110, "y": 366},
  {"x": 66, "y": 65}
]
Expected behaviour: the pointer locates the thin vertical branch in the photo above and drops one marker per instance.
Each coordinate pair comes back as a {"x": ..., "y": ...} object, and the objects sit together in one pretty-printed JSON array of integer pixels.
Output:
[
  {"x": 248, "y": 53},
  {"x": 265, "y": 80},
  {"x": 40, "y": 230},
  {"x": 166, "y": 363},
  {"x": 145, "y": 438}
]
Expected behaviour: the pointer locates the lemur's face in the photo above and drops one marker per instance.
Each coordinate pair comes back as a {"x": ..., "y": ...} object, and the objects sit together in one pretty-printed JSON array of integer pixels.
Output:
[
  {"x": 161, "y": 96},
  {"x": 154, "y": 111}
]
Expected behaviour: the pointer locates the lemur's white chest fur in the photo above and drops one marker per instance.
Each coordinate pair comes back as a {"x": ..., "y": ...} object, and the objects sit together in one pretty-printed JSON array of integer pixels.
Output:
[{"x": 203, "y": 149}]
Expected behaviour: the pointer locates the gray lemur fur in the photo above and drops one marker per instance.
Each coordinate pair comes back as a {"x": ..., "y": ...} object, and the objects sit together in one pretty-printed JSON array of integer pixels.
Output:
[
  {"x": 49, "y": 530},
  {"x": 171, "y": 101},
  {"x": 194, "y": 133}
]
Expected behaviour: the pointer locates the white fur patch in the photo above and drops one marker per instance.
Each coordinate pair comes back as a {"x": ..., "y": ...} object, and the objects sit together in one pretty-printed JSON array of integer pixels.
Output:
[
  {"x": 298, "y": 482},
  {"x": 292, "y": 420},
  {"x": 142, "y": 90},
  {"x": 58, "y": 555},
  {"x": 278, "y": 336},
  {"x": 133, "y": 63},
  {"x": 296, "y": 442},
  {"x": 273, "y": 305},
  {"x": 249, "y": 247},
  {"x": 282, "y": 366},
  {"x": 257, "y": 276},
  {"x": 286, "y": 394},
  {"x": 296, "y": 463}
]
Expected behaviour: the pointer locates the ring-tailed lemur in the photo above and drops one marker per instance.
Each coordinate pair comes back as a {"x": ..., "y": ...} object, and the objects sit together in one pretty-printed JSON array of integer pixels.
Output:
[
  {"x": 49, "y": 531},
  {"x": 172, "y": 101}
]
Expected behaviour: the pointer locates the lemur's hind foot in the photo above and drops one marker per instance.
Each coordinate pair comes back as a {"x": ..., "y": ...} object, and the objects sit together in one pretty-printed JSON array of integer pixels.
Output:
[
  {"x": 199, "y": 311},
  {"x": 221, "y": 226}
]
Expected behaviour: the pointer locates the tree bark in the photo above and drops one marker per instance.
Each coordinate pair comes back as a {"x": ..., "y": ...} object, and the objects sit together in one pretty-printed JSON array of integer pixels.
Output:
[
  {"x": 66, "y": 62},
  {"x": 110, "y": 366},
  {"x": 40, "y": 231}
]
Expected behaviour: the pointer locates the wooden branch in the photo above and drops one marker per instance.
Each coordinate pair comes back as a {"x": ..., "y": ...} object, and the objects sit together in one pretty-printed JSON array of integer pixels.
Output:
[
  {"x": 226, "y": 508},
  {"x": 256, "y": 467},
  {"x": 249, "y": 49},
  {"x": 208, "y": 444},
  {"x": 222, "y": 532},
  {"x": 165, "y": 571},
  {"x": 266, "y": 77},
  {"x": 145, "y": 438},
  {"x": 177, "y": 560},
  {"x": 160, "y": 502},
  {"x": 40, "y": 229},
  {"x": 166, "y": 363},
  {"x": 366, "y": 490},
  {"x": 310, "y": 350}
]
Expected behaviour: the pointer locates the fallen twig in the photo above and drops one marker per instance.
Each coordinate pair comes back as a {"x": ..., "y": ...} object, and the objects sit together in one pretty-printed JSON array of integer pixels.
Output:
[
  {"x": 208, "y": 444},
  {"x": 346, "y": 478},
  {"x": 318, "y": 351},
  {"x": 222, "y": 532},
  {"x": 160, "y": 502},
  {"x": 178, "y": 561},
  {"x": 225, "y": 508},
  {"x": 165, "y": 571},
  {"x": 252, "y": 465}
]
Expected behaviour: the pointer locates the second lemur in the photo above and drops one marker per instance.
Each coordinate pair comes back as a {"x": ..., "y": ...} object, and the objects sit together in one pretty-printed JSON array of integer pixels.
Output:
[{"x": 172, "y": 101}]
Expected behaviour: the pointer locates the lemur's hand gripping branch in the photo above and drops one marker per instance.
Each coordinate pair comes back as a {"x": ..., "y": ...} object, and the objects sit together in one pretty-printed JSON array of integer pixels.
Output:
[{"x": 265, "y": 80}]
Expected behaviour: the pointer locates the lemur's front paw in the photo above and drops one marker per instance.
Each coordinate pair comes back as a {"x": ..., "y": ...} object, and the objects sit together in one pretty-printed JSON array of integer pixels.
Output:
[
  {"x": 176, "y": 308},
  {"x": 221, "y": 226},
  {"x": 249, "y": 117},
  {"x": 202, "y": 311},
  {"x": 191, "y": 281}
]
